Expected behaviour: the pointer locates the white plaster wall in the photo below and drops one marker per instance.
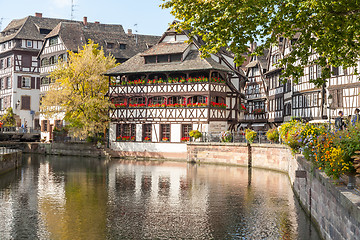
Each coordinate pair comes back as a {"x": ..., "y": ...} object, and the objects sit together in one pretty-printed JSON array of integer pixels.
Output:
[
  {"x": 156, "y": 133},
  {"x": 149, "y": 147},
  {"x": 138, "y": 132},
  {"x": 175, "y": 133}
]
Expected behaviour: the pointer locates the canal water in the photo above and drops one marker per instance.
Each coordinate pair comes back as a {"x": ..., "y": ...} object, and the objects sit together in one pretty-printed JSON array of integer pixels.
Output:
[{"x": 81, "y": 198}]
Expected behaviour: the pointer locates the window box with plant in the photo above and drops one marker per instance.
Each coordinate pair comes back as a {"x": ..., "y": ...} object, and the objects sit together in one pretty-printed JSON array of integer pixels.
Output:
[
  {"x": 165, "y": 139},
  {"x": 196, "y": 134},
  {"x": 146, "y": 139},
  {"x": 218, "y": 105},
  {"x": 185, "y": 139},
  {"x": 259, "y": 111}
]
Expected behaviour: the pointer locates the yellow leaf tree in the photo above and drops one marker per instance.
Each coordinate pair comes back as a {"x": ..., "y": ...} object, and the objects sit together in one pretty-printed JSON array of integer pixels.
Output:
[{"x": 78, "y": 91}]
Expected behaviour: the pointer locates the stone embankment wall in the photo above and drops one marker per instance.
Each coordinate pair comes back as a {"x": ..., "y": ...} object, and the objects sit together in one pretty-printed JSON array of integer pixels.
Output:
[
  {"x": 67, "y": 149},
  {"x": 333, "y": 207},
  {"x": 9, "y": 161}
]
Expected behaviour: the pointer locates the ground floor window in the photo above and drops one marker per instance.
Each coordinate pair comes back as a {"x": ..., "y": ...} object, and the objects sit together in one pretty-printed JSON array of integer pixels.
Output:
[
  {"x": 45, "y": 125},
  {"x": 185, "y": 130},
  {"x": 147, "y": 130},
  {"x": 125, "y": 132},
  {"x": 165, "y": 132}
]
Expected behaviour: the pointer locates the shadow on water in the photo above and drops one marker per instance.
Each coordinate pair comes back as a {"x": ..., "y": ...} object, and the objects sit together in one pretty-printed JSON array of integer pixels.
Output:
[{"x": 81, "y": 198}]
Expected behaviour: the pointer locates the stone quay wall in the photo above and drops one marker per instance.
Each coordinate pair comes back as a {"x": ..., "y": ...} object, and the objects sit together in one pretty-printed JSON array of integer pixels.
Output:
[
  {"x": 9, "y": 161},
  {"x": 334, "y": 208}
]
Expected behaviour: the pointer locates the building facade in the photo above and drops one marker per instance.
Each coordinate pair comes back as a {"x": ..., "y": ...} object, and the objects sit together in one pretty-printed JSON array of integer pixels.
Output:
[
  {"x": 167, "y": 91},
  {"x": 71, "y": 36},
  {"x": 20, "y": 43}
]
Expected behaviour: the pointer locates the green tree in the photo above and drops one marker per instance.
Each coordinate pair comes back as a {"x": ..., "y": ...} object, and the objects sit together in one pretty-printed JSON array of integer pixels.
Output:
[
  {"x": 330, "y": 28},
  {"x": 79, "y": 91},
  {"x": 8, "y": 119}
]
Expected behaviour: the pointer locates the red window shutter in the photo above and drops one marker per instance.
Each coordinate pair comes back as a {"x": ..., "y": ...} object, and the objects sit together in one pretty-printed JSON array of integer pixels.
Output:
[
  {"x": 37, "y": 83},
  {"x": 32, "y": 82},
  {"x": 19, "y": 81}
]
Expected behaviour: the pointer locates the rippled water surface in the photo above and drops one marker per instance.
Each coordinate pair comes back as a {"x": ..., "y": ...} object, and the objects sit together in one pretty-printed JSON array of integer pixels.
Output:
[{"x": 82, "y": 198}]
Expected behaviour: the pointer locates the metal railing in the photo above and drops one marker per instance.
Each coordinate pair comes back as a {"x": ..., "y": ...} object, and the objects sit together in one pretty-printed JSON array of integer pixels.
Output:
[
  {"x": 237, "y": 137},
  {"x": 19, "y": 130}
]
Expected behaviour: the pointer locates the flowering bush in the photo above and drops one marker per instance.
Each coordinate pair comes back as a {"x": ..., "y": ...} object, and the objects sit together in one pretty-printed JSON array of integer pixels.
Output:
[
  {"x": 290, "y": 134},
  {"x": 273, "y": 135},
  {"x": 250, "y": 135},
  {"x": 185, "y": 139},
  {"x": 195, "y": 134},
  {"x": 226, "y": 136}
]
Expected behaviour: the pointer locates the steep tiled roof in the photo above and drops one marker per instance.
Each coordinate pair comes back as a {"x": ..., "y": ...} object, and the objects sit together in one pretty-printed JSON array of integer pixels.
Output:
[
  {"x": 28, "y": 28},
  {"x": 76, "y": 34},
  {"x": 166, "y": 48},
  {"x": 192, "y": 62}
]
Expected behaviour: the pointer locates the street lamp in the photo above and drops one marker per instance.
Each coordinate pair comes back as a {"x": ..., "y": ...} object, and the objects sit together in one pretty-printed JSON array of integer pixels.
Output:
[{"x": 330, "y": 100}]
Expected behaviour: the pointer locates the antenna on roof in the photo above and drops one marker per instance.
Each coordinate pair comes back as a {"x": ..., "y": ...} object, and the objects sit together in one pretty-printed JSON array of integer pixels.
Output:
[
  {"x": 1, "y": 20},
  {"x": 135, "y": 28},
  {"x": 72, "y": 9}
]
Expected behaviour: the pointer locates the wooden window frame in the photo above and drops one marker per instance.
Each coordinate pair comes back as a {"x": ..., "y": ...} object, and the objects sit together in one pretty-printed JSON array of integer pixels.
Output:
[
  {"x": 165, "y": 131},
  {"x": 146, "y": 131},
  {"x": 186, "y": 129}
]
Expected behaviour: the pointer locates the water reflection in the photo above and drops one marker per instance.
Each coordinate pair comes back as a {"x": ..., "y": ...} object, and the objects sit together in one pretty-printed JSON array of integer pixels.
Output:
[{"x": 79, "y": 198}]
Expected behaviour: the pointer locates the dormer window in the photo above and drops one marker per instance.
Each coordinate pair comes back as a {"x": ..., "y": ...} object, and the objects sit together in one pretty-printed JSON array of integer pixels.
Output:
[
  {"x": 53, "y": 41},
  {"x": 163, "y": 58},
  {"x": 122, "y": 46},
  {"x": 29, "y": 44},
  {"x": 110, "y": 45},
  {"x": 44, "y": 31}
]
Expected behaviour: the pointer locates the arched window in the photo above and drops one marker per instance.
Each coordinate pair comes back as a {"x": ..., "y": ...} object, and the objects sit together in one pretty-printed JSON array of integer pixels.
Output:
[
  {"x": 198, "y": 99},
  {"x": 137, "y": 102},
  {"x": 53, "y": 60},
  {"x": 44, "y": 62}
]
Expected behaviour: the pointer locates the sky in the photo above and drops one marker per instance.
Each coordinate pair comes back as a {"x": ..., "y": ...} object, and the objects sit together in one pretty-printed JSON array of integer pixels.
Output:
[{"x": 142, "y": 16}]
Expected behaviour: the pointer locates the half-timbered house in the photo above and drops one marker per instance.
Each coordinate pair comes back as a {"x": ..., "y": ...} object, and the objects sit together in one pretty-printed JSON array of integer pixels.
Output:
[
  {"x": 275, "y": 86},
  {"x": 256, "y": 92},
  {"x": 70, "y": 36},
  {"x": 165, "y": 92},
  {"x": 20, "y": 43}
]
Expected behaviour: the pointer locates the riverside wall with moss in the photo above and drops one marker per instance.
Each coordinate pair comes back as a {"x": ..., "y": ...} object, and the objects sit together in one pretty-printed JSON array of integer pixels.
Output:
[
  {"x": 334, "y": 208},
  {"x": 9, "y": 161}
]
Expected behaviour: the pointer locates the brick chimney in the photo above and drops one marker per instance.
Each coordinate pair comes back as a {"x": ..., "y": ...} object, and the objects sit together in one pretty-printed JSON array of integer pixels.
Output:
[
  {"x": 85, "y": 21},
  {"x": 97, "y": 22},
  {"x": 39, "y": 15},
  {"x": 129, "y": 31}
]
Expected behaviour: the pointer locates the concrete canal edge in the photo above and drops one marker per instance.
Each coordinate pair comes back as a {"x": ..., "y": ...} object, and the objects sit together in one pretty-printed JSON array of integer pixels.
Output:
[
  {"x": 10, "y": 161},
  {"x": 333, "y": 208}
]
